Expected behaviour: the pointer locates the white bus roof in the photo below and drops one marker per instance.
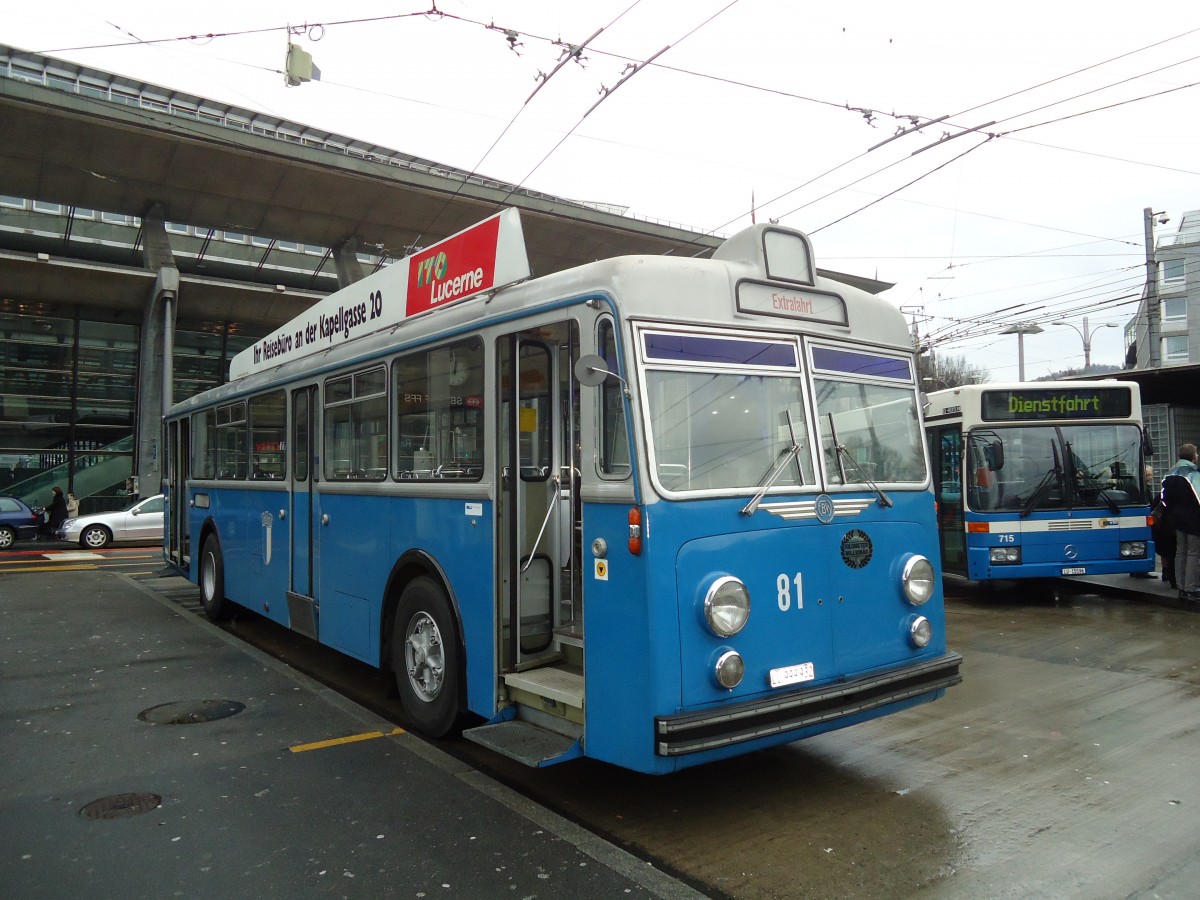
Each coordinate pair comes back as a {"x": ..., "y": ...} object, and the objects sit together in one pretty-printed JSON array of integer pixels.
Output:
[{"x": 758, "y": 279}]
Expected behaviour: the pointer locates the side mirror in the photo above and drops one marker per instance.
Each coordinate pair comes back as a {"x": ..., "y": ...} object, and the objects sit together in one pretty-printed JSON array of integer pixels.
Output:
[
  {"x": 592, "y": 370},
  {"x": 997, "y": 456}
]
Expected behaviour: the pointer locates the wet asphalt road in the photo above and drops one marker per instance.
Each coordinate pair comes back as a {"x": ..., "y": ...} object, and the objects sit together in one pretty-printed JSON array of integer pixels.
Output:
[{"x": 1067, "y": 764}]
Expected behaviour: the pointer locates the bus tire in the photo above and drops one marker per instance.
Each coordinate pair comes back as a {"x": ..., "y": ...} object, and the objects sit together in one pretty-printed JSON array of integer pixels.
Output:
[
  {"x": 425, "y": 657},
  {"x": 212, "y": 580}
]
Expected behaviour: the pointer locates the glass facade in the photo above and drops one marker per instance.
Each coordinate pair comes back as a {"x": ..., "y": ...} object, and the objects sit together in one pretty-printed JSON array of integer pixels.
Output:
[{"x": 68, "y": 399}]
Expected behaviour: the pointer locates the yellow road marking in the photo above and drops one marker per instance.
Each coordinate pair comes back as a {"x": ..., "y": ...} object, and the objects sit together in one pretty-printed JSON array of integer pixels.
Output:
[
  {"x": 334, "y": 742},
  {"x": 52, "y": 568}
]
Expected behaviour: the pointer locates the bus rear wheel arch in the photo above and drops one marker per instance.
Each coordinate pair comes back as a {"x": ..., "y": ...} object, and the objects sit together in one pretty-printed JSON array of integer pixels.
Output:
[{"x": 425, "y": 657}]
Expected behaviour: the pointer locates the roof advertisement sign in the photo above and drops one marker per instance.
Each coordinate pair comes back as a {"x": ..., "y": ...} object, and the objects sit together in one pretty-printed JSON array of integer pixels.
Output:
[{"x": 484, "y": 257}]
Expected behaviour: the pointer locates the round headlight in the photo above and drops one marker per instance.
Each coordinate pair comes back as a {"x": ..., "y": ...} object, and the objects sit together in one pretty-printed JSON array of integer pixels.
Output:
[
  {"x": 730, "y": 669},
  {"x": 726, "y": 606},
  {"x": 920, "y": 632},
  {"x": 918, "y": 580}
]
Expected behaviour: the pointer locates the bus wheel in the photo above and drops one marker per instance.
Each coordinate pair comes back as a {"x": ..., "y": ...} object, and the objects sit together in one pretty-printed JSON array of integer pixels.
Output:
[
  {"x": 212, "y": 580},
  {"x": 425, "y": 657}
]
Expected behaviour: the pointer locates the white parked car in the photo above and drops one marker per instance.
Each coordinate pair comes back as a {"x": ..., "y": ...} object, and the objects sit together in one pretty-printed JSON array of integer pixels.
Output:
[{"x": 140, "y": 521}]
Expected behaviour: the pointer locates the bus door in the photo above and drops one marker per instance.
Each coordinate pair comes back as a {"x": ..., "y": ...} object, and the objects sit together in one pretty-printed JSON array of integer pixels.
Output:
[
  {"x": 178, "y": 460},
  {"x": 302, "y": 604},
  {"x": 537, "y": 516},
  {"x": 945, "y": 453}
]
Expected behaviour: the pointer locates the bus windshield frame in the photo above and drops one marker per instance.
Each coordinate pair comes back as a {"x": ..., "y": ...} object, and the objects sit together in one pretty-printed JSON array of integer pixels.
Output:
[
  {"x": 1056, "y": 467},
  {"x": 718, "y": 406}
]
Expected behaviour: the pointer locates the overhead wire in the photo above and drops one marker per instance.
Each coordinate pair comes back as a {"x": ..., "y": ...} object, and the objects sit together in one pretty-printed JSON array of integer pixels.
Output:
[
  {"x": 571, "y": 53},
  {"x": 607, "y": 92},
  {"x": 916, "y": 120}
]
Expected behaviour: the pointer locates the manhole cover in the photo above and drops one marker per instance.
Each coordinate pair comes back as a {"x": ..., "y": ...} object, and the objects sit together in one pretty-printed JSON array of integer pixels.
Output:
[
  {"x": 120, "y": 806},
  {"x": 190, "y": 712}
]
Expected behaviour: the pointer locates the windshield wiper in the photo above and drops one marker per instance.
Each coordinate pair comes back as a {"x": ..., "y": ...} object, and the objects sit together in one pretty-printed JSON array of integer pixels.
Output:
[
  {"x": 1084, "y": 479},
  {"x": 1049, "y": 478},
  {"x": 1039, "y": 490},
  {"x": 884, "y": 500},
  {"x": 842, "y": 453},
  {"x": 1112, "y": 504},
  {"x": 773, "y": 474}
]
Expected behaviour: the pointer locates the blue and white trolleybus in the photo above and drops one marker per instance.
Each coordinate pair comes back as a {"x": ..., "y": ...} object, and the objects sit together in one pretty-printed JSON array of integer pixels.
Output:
[{"x": 651, "y": 510}]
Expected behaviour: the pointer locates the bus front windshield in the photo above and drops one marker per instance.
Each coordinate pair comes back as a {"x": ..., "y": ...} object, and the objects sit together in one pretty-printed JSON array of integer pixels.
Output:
[
  {"x": 714, "y": 431},
  {"x": 877, "y": 429},
  {"x": 1029, "y": 468}
]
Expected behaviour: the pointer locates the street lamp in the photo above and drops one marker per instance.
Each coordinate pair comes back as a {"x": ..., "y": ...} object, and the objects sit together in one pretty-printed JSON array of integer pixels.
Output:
[
  {"x": 1086, "y": 335},
  {"x": 1020, "y": 330}
]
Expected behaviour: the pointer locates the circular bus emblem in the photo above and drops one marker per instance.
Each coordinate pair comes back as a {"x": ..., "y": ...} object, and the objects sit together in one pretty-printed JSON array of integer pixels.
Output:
[
  {"x": 824, "y": 508},
  {"x": 856, "y": 548},
  {"x": 1070, "y": 551}
]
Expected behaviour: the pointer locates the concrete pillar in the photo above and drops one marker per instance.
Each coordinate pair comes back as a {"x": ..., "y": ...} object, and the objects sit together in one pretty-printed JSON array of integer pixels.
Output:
[
  {"x": 345, "y": 261},
  {"x": 155, "y": 356}
]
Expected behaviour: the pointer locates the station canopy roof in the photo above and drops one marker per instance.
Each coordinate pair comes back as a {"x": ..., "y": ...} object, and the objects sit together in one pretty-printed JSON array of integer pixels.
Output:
[{"x": 90, "y": 139}]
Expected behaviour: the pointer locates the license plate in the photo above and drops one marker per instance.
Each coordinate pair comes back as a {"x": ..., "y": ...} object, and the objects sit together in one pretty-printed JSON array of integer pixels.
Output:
[
  {"x": 1074, "y": 570},
  {"x": 792, "y": 674}
]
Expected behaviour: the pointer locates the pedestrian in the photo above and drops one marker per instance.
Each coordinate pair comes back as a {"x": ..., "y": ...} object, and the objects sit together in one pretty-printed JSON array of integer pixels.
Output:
[
  {"x": 1181, "y": 496},
  {"x": 72, "y": 506},
  {"x": 1163, "y": 533},
  {"x": 56, "y": 512}
]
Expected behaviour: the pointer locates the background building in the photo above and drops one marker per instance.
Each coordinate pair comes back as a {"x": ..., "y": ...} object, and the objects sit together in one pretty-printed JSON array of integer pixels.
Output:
[
  {"x": 1170, "y": 408},
  {"x": 1176, "y": 262}
]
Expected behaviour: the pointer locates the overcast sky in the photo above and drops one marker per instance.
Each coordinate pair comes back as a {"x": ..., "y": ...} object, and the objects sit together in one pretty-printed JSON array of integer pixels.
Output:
[{"x": 1086, "y": 114}]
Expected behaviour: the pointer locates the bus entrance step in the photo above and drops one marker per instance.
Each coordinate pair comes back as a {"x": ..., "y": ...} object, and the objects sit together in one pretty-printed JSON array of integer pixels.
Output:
[{"x": 525, "y": 742}]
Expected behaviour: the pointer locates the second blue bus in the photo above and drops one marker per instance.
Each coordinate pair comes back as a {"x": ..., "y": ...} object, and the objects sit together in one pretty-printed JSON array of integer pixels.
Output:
[{"x": 1041, "y": 480}]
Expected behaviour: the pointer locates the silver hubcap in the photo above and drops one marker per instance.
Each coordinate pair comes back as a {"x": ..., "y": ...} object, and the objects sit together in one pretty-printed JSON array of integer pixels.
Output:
[
  {"x": 207, "y": 578},
  {"x": 424, "y": 656}
]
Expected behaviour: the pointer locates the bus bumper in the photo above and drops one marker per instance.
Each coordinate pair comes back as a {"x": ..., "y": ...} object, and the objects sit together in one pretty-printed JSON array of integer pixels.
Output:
[{"x": 685, "y": 733}]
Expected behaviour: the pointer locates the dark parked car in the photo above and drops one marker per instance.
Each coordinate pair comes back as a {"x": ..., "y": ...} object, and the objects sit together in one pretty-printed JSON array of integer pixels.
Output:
[{"x": 17, "y": 522}]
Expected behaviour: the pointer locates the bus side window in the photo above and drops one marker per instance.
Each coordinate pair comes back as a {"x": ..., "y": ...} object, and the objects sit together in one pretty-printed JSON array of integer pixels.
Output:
[
  {"x": 613, "y": 456},
  {"x": 438, "y": 396},
  {"x": 232, "y": 458},
  {"x": 356, "y": 426},
  {"x": 267, "y": 415},
  {"x": 204, "y": 440}
]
